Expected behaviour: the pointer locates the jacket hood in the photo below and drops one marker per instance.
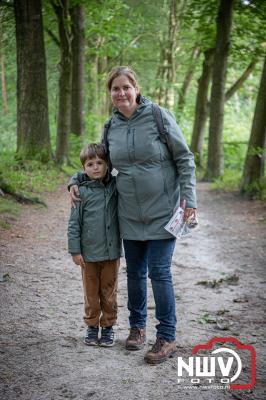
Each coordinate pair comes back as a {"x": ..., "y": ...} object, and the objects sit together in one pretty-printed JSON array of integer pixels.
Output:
[{"x": 143, "y": 103}]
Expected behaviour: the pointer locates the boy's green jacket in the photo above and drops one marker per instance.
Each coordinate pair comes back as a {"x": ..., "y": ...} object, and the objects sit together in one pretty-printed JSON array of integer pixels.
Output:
[
  {"x": 152, "y": 176},
  {"x": 93, "y": 225}
]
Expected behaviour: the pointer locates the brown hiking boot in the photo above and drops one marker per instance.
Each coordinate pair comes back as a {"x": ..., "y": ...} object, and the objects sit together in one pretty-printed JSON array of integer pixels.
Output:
[
  {"x": 160, "y": 351},
  {"x": 136, "y": 339}
]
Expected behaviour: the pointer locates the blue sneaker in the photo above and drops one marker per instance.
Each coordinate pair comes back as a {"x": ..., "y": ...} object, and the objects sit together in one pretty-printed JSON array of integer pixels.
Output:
[
  {"x": 107, "y": 337},
  {"x": 91, "y": 338}
]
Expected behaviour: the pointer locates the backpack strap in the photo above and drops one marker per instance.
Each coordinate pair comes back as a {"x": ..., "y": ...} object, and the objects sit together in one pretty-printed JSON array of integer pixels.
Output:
[
  {"x": 106, "y": 143},
  {"x": 157, "y": 115}
]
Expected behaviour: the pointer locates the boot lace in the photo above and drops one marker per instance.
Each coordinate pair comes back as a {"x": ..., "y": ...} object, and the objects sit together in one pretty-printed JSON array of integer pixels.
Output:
[
  {"x": 134, "y": 334},
  {"x": 156, "y": 348}
]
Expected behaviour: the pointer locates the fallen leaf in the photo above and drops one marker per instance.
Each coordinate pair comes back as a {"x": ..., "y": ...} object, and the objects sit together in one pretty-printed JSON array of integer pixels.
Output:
[
  {"x": 207, "y": 319},
  {"x": 223, "y": 324},
  {"x": 230, "y": 280},
  {"x": 240, "y": 300}
]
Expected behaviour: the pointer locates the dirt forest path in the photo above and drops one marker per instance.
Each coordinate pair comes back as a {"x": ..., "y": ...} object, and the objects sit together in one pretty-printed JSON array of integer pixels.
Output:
[{"x": 42, "y": 355}]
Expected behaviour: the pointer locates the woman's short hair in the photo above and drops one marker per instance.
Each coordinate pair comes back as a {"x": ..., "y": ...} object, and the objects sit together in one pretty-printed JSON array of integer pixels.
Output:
[
  {"x": 92, "y": 150},
  {"x": 122, "y": 70}
]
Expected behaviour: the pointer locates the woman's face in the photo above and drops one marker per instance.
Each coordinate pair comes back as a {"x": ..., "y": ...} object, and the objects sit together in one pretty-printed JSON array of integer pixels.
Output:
[{"x": 123, "y": 95}]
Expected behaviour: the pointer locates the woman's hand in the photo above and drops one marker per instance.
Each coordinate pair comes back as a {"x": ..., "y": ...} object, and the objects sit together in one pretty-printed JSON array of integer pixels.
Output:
[
  {"x": 78, "y": 260},
  {"x": 190, "y": 213},
  {"x": 74, "y": 195}
]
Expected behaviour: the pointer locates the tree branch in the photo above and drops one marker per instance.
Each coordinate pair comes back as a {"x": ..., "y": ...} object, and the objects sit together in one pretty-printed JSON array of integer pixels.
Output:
[
  {"x": 53, "y": 36},
  {"x": 19, "y": 196},
  {"x": 237, "y": 85}
]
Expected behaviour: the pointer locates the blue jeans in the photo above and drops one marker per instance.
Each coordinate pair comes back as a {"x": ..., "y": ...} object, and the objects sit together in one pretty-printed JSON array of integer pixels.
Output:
[{"x": 154, "y": 257}]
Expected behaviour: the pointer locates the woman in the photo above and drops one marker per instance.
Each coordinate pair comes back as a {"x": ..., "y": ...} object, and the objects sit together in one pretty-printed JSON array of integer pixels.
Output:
[{"x": 152, "y": 178}]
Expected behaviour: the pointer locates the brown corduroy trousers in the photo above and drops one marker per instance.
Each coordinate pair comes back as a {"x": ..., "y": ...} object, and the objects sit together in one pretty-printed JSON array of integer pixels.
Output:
[{"x": 100, "y": 292}]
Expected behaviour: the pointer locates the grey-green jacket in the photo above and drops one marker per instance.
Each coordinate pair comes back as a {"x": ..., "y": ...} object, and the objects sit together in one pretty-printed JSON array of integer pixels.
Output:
[
  {"x": 152, "y": 176},
  {"x": 93, "y": 224}
]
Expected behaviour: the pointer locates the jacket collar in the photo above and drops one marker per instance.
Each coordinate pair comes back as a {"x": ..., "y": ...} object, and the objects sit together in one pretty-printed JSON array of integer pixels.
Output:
[{"x": 95, "y": 182}]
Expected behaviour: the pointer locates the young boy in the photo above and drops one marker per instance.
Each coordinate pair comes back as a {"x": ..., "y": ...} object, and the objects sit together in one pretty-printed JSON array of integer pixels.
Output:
[{"x": 95, "y": 245}]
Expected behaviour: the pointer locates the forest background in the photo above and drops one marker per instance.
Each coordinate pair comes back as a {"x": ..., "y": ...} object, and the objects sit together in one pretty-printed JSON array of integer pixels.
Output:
[{"x": 202, "y": 59}]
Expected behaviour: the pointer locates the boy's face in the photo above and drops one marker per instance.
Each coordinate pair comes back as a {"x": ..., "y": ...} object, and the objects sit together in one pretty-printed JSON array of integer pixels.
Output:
[{"x": 95, "y": 168}]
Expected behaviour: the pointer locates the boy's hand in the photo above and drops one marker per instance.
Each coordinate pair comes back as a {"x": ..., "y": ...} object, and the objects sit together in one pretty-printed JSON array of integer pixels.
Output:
[
  {"x": 74, "y": 195},
  {"x": 78, "y": 260}
]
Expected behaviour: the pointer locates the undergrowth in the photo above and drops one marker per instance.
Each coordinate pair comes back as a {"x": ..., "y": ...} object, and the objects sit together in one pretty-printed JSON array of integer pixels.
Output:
[
  {"x": 29, "y": 179},
  {"x": 9, "y": 210},
  {"x": 30, "y": 176},
  {"x": 231, "y": 182}
]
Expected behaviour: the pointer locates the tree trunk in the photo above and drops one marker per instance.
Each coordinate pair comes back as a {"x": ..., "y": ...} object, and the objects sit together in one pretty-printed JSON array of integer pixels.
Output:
[
  {"x": 3, "y": 80},
  {"x": 215, "y": 150},
  {"x": 201, "y": 112},
  {"x": 64, "y": 108},
  {"x": 188, "y": 77},
  {"x": 3, "y": 73},
  {"x": 94, "y": 98},
  {"x": 203, "y": 108},
  {"x": 78, "y": 70},
  {"x": 33, "y": 137},
  {"x": 170, "y": 70},
  {"x": 253, "y": 174},
  {"x": 97, "y": 96},
  {"x": 160, "y": 74}
]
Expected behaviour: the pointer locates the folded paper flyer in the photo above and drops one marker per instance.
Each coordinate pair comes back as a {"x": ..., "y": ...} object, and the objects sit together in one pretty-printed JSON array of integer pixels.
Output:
[{"x": 177, "y": 226}]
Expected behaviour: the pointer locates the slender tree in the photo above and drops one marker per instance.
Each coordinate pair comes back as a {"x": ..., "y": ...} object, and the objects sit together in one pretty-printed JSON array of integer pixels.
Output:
[
  {"x": 201, "y": 109},
  {"x": 33, "y": 137},
  {"x": 61, "y": 9},
  {"x": 166, "y": 74},
  {"x": 3, "y": 82},
  {"x": 253, "y": 173},
  {"x": 78, "y": 69},
  {"x": 3, "y": 70},
  {"x": 215, "y": 150},
  {"x": 188, "y": 78}
]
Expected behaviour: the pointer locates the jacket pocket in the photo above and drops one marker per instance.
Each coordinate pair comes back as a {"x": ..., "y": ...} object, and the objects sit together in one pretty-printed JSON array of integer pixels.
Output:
[{"x": 171, "y": 183}]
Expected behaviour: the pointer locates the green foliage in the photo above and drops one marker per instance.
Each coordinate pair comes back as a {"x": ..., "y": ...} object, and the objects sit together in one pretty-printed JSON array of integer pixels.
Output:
[
  {"x": 9, "y": 206},
  {"x": 76, "y": 143},
  {"x": 257, "y": 151},
  {"x": 207, "y": 319},
  {"x": 230, "y": 181},
  {"x": 201, "y": 15},
  {"x": 234, "y": 155},
  {"x": 9, "y": 209},
  {"x": 30, "y": 176},
  {"x": 255, "y": 190},
  {"x": 249, "y": 30},
  {"x": 8, "y": 132},
  {"x": 8, "y": 52},
  {"x": 132, "y": 33}
]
